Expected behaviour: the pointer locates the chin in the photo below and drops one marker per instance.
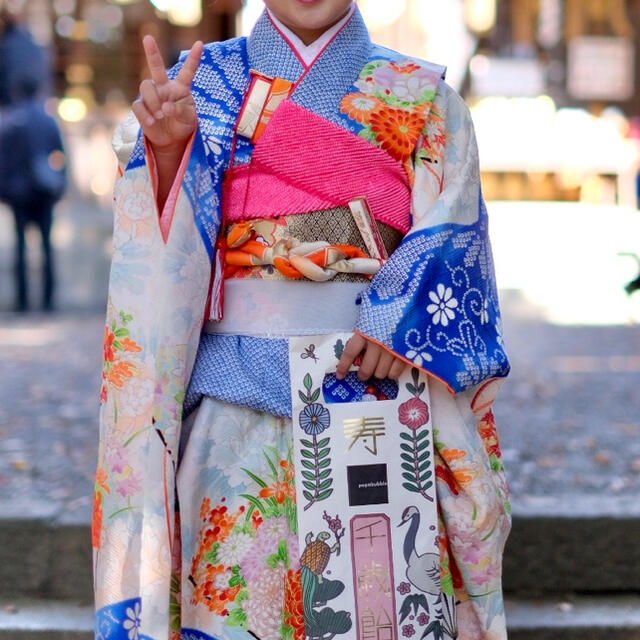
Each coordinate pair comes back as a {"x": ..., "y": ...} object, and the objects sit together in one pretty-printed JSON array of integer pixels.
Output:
[{"x": 308, "y": 14}]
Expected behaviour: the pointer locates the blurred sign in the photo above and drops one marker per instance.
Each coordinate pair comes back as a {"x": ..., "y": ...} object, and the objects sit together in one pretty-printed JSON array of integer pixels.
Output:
[
  {"x": 506, "y": 77},
  {"x": 601, "y": 68}
]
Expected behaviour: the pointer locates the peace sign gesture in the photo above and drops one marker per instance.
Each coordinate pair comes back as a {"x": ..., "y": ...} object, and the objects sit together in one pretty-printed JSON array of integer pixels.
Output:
[{"x": 165, "y": 109}]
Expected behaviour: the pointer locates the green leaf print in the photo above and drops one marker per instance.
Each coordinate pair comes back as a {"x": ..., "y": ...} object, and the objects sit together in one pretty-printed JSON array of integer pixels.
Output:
[
  {"x": 255, "y": 478},
  {"x": 286, "y": 632},
  {"x": 237, "y": 617},
  {"x": 370, "y": 67}
]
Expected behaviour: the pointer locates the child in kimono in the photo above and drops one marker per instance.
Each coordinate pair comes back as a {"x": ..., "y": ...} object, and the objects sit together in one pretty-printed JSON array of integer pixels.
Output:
[{"x": 300, "y": 181}]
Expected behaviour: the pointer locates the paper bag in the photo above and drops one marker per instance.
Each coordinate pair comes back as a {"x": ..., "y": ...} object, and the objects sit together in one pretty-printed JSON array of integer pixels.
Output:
[{"x": 367, "y": 514}]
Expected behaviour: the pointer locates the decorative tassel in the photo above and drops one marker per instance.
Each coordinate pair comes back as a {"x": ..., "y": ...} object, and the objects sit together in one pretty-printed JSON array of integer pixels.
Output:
[{"x": 216, "y": 295}]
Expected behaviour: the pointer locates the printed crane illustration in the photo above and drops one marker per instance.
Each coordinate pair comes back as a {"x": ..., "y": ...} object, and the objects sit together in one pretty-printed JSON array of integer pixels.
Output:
[{"x": 423, "y": 570}]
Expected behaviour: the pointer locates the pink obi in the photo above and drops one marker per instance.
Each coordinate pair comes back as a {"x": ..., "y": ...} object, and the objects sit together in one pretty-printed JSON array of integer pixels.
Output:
[{"x": 303, "y": 162}]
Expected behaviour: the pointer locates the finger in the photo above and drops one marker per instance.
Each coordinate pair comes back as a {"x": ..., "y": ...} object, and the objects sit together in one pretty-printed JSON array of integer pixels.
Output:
[
  {"x": 142, "y": 114},
  {"x": 384, "y": 365},
  {"x": 190, "y": 66},
  {"x": 151, "y": 98},
  {"x": 155, "y": 61},
  {"x": 370, "y": 361},
  {"x": 181, "y": 109},
  {"x": 352, "y": 350},
  {"x": 397, "y": 368}
]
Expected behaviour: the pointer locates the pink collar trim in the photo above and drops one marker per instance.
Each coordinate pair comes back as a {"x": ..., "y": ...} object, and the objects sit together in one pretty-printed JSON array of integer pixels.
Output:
[{"x": 308, "y": 53}]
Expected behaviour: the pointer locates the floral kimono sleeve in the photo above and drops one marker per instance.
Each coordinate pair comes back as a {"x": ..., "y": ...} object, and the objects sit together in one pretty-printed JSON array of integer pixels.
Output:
[
  {"x": 158, "y": 288},
  {"x": 435, "y": 303}
]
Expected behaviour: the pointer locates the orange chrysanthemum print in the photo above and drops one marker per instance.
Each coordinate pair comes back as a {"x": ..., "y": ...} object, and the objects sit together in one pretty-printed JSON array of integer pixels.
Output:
[
  {"x": 130, "y": 345},
  {"x": 408, "y": 66},
  {"x": 489, "y": 434},
  {"x": 360, "y": 106},
  {"x": 109, "y": 351},
  {"x": 451, "y": 455},
  {"x": 121, "y": 371},
  {"x": 293, "y": 605},
  {"x": 397, "y": 130},
  {"x": 96, "y": 520}
]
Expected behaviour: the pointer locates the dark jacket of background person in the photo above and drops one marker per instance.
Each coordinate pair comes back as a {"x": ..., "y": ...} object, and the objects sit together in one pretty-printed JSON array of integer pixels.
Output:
[
  {"x": 32, "y": 179},
  {"x": 20, "y": 58}
]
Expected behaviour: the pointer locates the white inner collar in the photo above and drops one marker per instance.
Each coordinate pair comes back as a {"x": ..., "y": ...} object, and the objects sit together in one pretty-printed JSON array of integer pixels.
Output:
[{"x": 309, "y": 52}]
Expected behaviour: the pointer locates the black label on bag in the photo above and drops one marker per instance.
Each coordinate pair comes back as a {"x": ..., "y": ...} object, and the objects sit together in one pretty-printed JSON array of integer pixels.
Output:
[{"x": 367, "y": 484}]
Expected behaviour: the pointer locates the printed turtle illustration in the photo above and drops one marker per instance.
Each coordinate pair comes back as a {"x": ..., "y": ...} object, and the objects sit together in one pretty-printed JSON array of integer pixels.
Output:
[{"x": 317, "y": 553}]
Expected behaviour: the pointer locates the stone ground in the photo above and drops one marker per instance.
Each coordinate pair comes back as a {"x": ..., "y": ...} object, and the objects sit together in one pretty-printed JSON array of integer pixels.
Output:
[{"x": 568, "y": 413}]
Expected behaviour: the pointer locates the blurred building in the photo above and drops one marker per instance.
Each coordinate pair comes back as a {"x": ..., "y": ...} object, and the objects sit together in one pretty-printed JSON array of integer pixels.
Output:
[
  {"x": 553, "y": 84},
  {"x": 97, "y": 64}
]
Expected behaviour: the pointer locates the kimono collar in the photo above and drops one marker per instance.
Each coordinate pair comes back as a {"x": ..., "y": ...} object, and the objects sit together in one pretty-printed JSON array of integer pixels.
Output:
[
  {"x": 346, "y": 51},
  {"x": 309, "y": 52}
]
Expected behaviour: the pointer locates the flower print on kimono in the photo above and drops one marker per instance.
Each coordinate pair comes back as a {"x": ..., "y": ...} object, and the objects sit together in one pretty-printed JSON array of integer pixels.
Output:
[
  {"x": 188, "y": 267},
  {"x": 135, "y": 236},
  {"x": 135, "y": 213},
  {"x": 243, "y": 563},
  {"x": 397, "y": 83},
  {"x": 391, "y": 104}
]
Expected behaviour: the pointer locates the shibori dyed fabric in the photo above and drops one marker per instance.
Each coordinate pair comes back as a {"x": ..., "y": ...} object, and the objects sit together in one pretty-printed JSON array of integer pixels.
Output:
[{"x": 433, "y": 303}]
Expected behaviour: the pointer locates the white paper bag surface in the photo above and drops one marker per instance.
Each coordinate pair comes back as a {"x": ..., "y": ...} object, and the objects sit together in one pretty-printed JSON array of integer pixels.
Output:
[{"x": 365, "y": 482}]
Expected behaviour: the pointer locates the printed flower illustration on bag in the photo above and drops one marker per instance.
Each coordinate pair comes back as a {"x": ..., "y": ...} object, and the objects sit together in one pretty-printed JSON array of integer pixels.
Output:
[
  {"x": 416, "y": 450},
  {"x": 314, "y": 419}
]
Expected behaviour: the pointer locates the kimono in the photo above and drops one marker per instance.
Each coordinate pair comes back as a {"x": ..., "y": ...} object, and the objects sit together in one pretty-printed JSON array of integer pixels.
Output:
[{"x": 194, "y": 522}]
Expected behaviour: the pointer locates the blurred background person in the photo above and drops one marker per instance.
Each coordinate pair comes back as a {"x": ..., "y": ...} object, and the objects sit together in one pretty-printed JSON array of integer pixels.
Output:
[
  {"x": 20, "y": 58},
  {"x": 32, "y": 180},
  {"x": 32, "y": 163}
]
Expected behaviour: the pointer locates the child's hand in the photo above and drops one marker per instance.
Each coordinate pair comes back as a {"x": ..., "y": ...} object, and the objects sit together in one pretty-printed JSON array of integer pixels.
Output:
[
  {"x": 377, "y": 362},
  {"x": 166, "y": 109}
]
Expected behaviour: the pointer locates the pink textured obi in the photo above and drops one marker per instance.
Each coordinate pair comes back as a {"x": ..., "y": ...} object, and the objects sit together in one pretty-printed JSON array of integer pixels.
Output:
[{"x": 303, "y": 162}]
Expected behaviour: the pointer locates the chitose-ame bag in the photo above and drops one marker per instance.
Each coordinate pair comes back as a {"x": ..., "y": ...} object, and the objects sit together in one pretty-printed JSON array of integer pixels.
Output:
[{"x": 367, "y": 510}]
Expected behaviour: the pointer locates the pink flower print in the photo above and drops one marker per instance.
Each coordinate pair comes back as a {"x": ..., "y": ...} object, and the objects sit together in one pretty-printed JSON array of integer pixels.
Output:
[
  {"x": 115, "y": 457},
  {"x": 403, "y": 588},
  {"x": 467, "y": 543},
  {"x": 129, "y": 485},
  {"x": 335, "y": 524},
  {"x": 408, "y": 630},
  {"x": 423, "y": 618},
  {"x": 263, "y": 606},
  {"x": 270, "y": 532},
  {"x": 413, "y": 413},
  {"x": 415, "y": 87},
  {"x": 486, "y": 574}
]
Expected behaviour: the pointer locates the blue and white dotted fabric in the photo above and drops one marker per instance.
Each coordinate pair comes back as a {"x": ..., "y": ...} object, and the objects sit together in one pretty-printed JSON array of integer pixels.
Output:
[{"x": 435, "y": 302}]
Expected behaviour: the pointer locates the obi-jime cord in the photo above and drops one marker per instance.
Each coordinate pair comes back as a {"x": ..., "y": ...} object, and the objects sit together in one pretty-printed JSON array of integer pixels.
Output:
[{"x": 317, "y": 197}]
